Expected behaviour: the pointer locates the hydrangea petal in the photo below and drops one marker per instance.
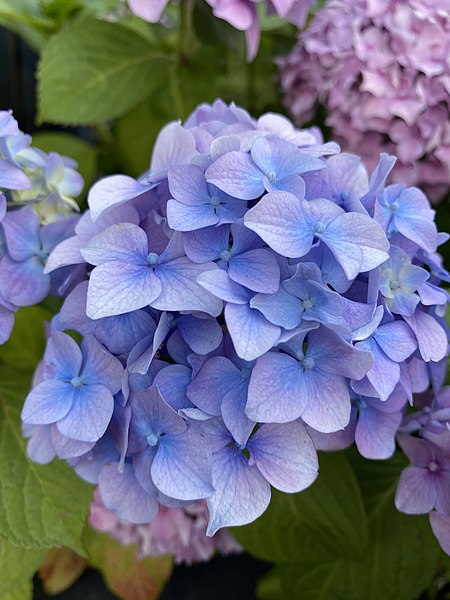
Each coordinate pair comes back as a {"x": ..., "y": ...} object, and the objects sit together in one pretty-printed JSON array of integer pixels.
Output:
[
  {"x": 242, "y": 493},
  {"x": 285, "y": 455}
]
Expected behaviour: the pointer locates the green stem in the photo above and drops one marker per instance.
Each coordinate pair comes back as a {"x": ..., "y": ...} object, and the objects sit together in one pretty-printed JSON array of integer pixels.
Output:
[{"x": 184, "y": 52}]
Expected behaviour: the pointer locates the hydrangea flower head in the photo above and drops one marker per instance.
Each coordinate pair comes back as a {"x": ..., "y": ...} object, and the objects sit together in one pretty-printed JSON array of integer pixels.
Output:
[
  {"x": 381, "y": 71},
  {"x": 255, "y": 296}
]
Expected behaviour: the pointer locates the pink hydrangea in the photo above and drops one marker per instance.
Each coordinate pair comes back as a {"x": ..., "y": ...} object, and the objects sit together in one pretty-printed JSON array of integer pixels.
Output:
[
  {"x": 241, "y": 14},
  {"x": 177, "y": 531},
  {"x": 381, "y": 70}
]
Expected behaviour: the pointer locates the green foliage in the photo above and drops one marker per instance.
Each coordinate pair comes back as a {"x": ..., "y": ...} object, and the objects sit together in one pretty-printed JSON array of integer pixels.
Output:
[
  {"x": 73, "y": 147},
  {"x": 325, "y": 521},
  {"x": 399, "y": 561},
  {"x": 26, "y": 346},
  {"x": 25, "y": 18},
  {"x": 17, "y": 565},
  {"x": 40, "y": 505},
  {"x": 22, "y": 592},
  {"x": 92, "y": 71}
]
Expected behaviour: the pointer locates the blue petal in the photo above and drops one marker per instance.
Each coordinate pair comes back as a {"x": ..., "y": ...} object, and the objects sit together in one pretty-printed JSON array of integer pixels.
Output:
[
  {"x": 242, "y": 493},
  {"x": 182, "y": 466},
  {"x": 285, "y": 455}
]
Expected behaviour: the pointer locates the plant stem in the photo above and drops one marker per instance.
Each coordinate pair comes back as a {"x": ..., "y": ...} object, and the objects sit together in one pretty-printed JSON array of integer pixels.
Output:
[{"x": 184, "y": 52}]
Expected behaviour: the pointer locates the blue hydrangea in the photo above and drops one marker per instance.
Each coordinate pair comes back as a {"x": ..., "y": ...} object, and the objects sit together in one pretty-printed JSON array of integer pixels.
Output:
[{"x": 255, "y": 296}]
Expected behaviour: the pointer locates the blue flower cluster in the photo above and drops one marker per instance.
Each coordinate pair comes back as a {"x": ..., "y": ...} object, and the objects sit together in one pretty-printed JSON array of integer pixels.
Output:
[
  {"x": 37, "y": 192},
  {"x": 254, "y": 297}
]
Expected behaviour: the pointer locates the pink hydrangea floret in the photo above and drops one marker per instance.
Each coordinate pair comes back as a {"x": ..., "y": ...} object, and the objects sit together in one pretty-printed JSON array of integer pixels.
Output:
[
  {"x": 180, "y": 532},
  {"x": 381, "y": 70}
]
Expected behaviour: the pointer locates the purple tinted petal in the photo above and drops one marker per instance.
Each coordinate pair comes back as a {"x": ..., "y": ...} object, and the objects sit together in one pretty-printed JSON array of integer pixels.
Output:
[
  {"x": 174, "y": 146},
  {"x": 187, "y": 185},
  {"x": 206, "y": 244},
  {"x": 172, "y": 382},
  {"x": 431, "y": 337},
  {"x": 332, "y": 354},
  {"x": 189, "y": 218},
  {"x": 112, "y": 191},
  {"x": 23, "y": 283},
  {"x": 182, "y": 466},
  {"x": 236, "y": 174},
  {"x": 12, "y": 177},
  {"x": 242, "y": 493},
  {"x": 328, "y": 401},
  {"x": 116, "y": 288},
  {"x": 216, "y": 377},
  {"x": 21, "y": 228},
  {"x": 99, "y": 366},
  {"x": 440, "y": 524},
  {"x": 180, "y": 290},
  {"x": 151, "y": 415},
  {"x": 276, "y": 392},
  {"x": 63, "y": 357},
  {"x": 396, "y": 340},
  {"x": 279, "y": 220},
  {"x": 90, "y": 414},
  {"x": 375, "y": 433},
  {"x": 65, "y": 253},
  {"x": 121, "y": 493},
  {"x": 233, "y": 413},
  {"x": 357, "y": 242},
  {"x": 251, "y": 332},
  {"x": 277, "y": 156},
  {"x": 201, "y": 335},
  {"x": 257, "y": 270},
  {"x": 121, "y": 242},
  {"x": 121, "y": 333},
  {"x": 384, "y": 374},
  {"x": 285, "y": 455},
  {"x": 47, "y": 403},
  {"x": 416, "y": 492},
  {"x": 280, "y": 308},
  {"x": 220, "y": 285}
]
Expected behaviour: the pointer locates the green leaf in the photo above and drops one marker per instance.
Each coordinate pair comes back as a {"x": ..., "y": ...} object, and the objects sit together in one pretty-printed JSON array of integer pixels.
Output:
[
  {"x": 92, "y": 71},
  {"x": 40, "y": 505},
  {"x": 126, "y": 575},
  {"x": 25, "y": 347},
  {"x": 23, "y": 592},
  {"x": 73, "y": 147},
  {"x": 25, "y": 18},
  {"x": 17, "y": 565},
  {"x": 327, "y": 520},
  {"x": 136, "y": 133},
  {"x": 401, "y": 555}
]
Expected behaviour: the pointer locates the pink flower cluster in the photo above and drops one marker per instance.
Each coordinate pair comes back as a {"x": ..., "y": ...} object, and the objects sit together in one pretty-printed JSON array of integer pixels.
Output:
[
  {"x": 381, "y": 69},
  {"x": 241, "y": 14},
  {"x": 177, "y": 531}
]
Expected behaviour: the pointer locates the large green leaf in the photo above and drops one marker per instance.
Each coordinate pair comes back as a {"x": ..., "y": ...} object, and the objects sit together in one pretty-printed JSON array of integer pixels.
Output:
[
  {"x": 400, "y": 559},
  {"x": 325, "y": 521},
  {"x": 22, "y": 592},
  {"x": 17, "y": 565},
  {"x": 93, "y": 70},
  {"x": 40, "y": 505},
  {"x": 25, "y": 347}
]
